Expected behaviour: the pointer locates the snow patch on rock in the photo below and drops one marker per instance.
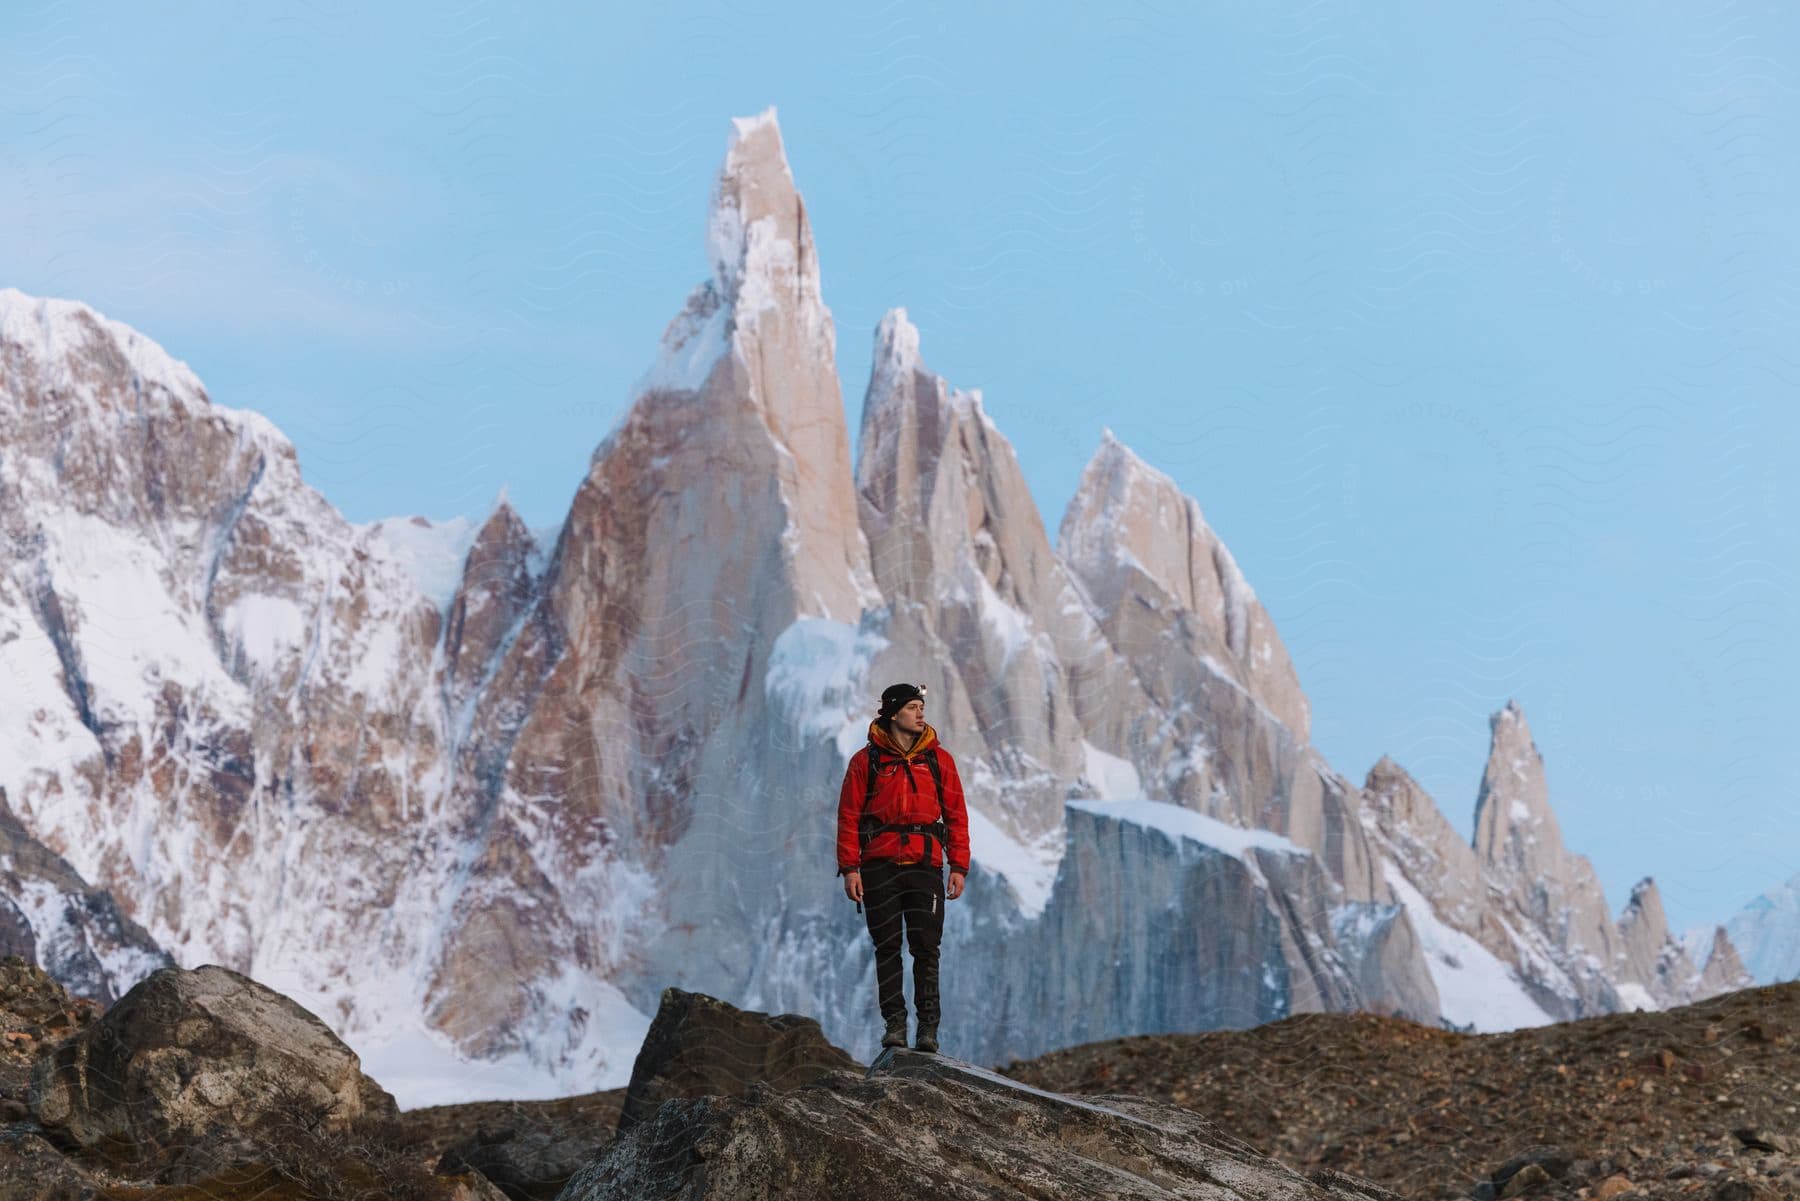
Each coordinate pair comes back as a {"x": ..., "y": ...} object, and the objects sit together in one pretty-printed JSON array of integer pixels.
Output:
[
  {"x": 1030, "y": 869},
  {"x": 266, "y": 628},
  {"x": 1475, "y": 989},
  {"x": 817, "y": 679},
  {"x": 1177, "y": 822},
  {"x": 429, "y": 553},
  {"x": 1113, "y": 778}
]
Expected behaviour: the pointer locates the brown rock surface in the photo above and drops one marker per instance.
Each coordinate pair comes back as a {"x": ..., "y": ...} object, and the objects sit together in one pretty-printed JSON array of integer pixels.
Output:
[
  {"x": 186, "y": 1056},
  {"x": 1430, "y": 1113},
  {"x": 926, "y": 1125},
  {"x": 699, "y": 1045}
]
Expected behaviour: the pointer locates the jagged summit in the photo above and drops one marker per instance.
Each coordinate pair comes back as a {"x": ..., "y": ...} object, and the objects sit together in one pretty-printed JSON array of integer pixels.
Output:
[
  {"x": 745, "y": 391},
  {"x": 759, "y": 240},
  {"x": 1724, "y": 970},
  {"x": 1125, "y": 511},
  {"x": 1652, "y": 969},
  {"x": 742, "y": 127},
  {"x": 1645, "y": 897},
  {"x": 54, "y": 330},
  {"x": 957, "y": 543},
  {"x": 1515, "y": 828},
  {"x": 1134, "y": 539},
  {"x": 896, "y": 347},
  {"x": 1387, "y": 765},
  {"x": 762, "y": 263},
  {"x": 1115, "y": 465}
]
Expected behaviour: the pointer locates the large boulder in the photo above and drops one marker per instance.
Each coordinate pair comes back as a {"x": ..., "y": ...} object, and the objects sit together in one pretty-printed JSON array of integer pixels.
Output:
[
  {"x": 699, "y": 1045},
  {"x": 188, "y": 1057},
  {"x": 948, "y": 1130}
]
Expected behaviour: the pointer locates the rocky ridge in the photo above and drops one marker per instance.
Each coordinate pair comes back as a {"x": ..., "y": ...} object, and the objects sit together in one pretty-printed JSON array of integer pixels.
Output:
[
  {"x": 207, "y": 1085},
  {"x": 1702, "y": 1100},
  {"x": 943, "y": 1127}
]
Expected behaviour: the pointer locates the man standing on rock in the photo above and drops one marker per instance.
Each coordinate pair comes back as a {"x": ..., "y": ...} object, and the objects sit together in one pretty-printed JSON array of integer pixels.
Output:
[{"x": 900, "y": 814}]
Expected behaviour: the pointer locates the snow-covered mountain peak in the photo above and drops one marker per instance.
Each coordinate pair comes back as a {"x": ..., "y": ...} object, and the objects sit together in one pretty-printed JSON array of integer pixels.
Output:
[
  {"x": 744, "y": 397},
  {"x": 1131, "y": 535},
  {"x": 1401, "y": 806},
  {"x": 1385, "y": 767},
  {"x": 55, "y": 331},
  {"x": 742, "y": 128},
  {"x": 940, "y": 488},
  {"x": 758, "y": 237},
  {"x": 1520, "y": 848},
  {"x": 1514, "y": 825},
  {"x": 1645, "y": 904},
  {"x": 1115, "y": 468},
  {"x": 1127, "y": 516},
  {"x": 896, "y": 347},
  {"x": 67, "y": 375}
]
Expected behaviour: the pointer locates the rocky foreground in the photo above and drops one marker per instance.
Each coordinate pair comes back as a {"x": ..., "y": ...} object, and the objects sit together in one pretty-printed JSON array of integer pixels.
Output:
[
  {"x": 204, "y": 1084},
  {"x": 1701, "y": 1101}
]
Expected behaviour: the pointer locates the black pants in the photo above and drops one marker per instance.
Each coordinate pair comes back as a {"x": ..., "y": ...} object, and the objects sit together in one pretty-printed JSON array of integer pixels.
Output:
[{"x": 912, "y": 893}]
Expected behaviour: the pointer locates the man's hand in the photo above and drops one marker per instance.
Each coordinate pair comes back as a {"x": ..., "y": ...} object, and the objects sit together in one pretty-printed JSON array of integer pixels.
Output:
[
  {"x": 853, "y": 886},
  {"x": 954, "y": 889}
]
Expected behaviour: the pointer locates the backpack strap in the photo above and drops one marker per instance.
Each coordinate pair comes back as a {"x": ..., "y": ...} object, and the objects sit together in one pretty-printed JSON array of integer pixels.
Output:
[
  {"x": 868, "y": 827},
  {"x": 937, "y": 777}
]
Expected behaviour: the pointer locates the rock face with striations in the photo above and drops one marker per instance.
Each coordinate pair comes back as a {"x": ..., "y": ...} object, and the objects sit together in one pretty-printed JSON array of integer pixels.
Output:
[
  {"x": 187, "y": 1055},
  {"x": 1539, "y": 885},
  {"x": 947, "y": 1129},
  {"x": 1652, "y": 966},
  {"x": 249, "y": 753},
  {"x": 977, "y": 598}
]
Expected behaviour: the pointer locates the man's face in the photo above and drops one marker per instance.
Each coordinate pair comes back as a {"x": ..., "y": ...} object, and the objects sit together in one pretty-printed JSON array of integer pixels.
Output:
[{"x": 911, "y": 716}]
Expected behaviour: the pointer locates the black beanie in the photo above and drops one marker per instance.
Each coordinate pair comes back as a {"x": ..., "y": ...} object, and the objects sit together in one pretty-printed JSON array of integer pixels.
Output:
[{"x": 896, "y": 697}]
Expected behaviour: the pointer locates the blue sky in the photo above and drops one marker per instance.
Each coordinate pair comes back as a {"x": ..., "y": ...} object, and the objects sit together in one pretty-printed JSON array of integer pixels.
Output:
[{"x": 1469, "y": 326}]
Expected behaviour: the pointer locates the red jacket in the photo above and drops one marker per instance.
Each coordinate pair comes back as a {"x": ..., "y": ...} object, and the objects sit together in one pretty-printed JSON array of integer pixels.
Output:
[{"x": 904, "y": 792}]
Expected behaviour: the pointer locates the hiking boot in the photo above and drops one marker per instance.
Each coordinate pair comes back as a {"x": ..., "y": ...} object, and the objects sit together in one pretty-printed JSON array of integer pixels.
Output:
[
  {"x": 896, "y": 1032},
  {"x": 927, "y": 1037}
]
